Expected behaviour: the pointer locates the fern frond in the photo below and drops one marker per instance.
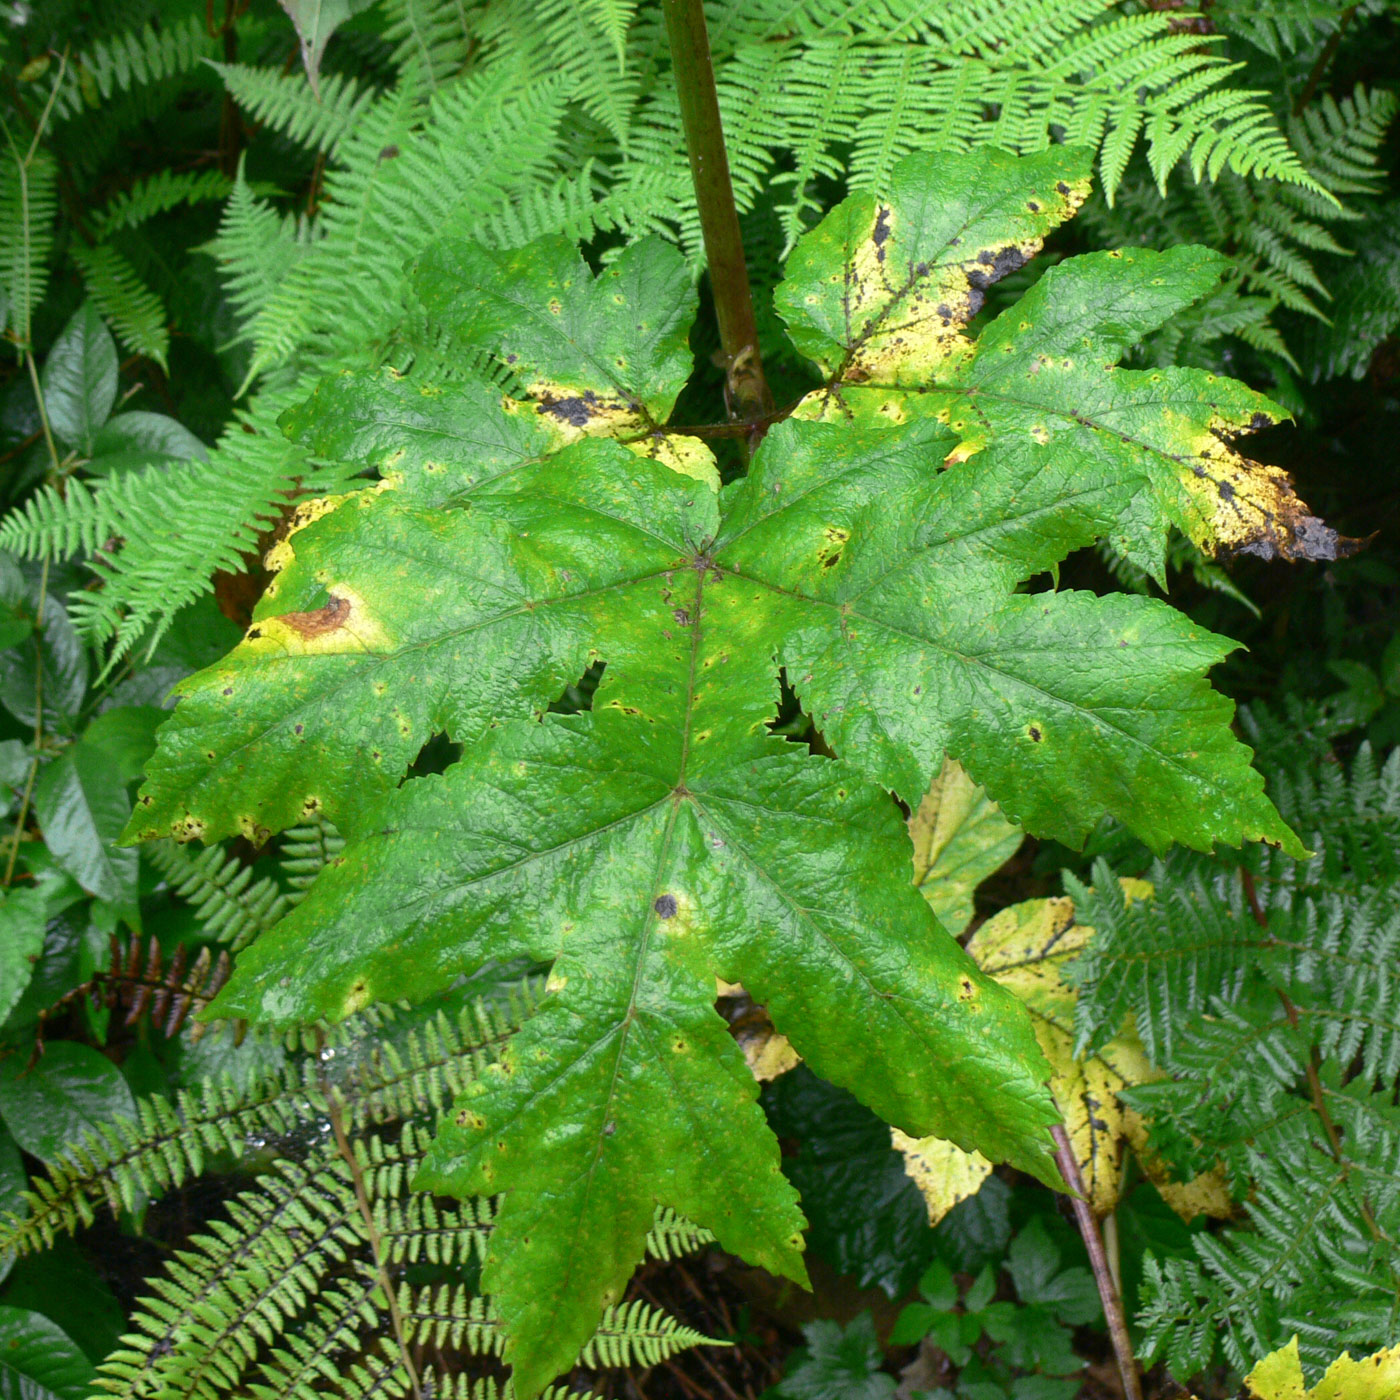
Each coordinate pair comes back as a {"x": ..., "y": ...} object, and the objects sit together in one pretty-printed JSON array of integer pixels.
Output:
[
  {"x": 241, "y": 1284},
  {"x": 1339, "y": 143},
  {"x": 380, "y": 1072},
  {"x": 1322, "y": 1223},
  {"x": 284, "y": 102},
  {"x": 139, "y": 980},
  {"x": 158, "y": 194},
  {"x": 61, "y": 524},
  {"x": 407, "y": 175},
  {"x": 637, "y": 1334},
  {"x": 256, "y": 247},
  {"x": 230, "y": 905},
  {"x": 135, "y": 312},
  {"x": 1279, "y": 27},
  {"x": 286, "y": 1292},
  {"x": 432, "y": 39},
  {"x": 1161, "y": 958},
  {"x": 28, "y": 205},
  {"x": 134, "y": 60},
  {"x": 673, "y": 1236},
  {"x": 306, "y": 851}
]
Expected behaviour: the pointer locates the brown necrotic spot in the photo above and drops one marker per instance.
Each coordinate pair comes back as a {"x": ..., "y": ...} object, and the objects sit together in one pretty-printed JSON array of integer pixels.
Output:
[
  {"x": 1259, "y": 422},
  {"x": 316, "y": 624},
  {"x": 665, "y": 906},
  {"x": 1034, "y": 732},
  {"x": 388, "y": 153},
  {"x": 1062, "y": 187}
]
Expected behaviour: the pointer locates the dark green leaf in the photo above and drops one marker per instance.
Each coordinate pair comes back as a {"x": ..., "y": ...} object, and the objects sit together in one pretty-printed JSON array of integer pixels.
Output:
[
  {"x": 81, "y": 803},
  {"x": 22, "y": 919},
  {"x": 38, "y": 1360},
  {"x": 1034, "y": 1265},
  {"x": 62, "y": 1284},
  {"x": 79, "y": 379},
  {"x": 138, "y": 439},
  {"x": 867, "y": 1218},
  {"x": 52, "y": 664},
  {"x": 841, "y": 1363},
  {"x": 70, "y": 1090},
  {"x": 976, "y": 1231}
]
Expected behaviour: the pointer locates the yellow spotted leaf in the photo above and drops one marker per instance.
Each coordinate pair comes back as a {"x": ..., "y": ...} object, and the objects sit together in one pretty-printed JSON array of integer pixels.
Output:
[
  {"x": 1024, "y": 948},
  {"x": 880, "y": 295},
  {"x": 1279, "y": 1376},
  {"x": 942, "y": 1171},
  {"x": 599, "y": 357},
  {"x": 960, "y": 837}
]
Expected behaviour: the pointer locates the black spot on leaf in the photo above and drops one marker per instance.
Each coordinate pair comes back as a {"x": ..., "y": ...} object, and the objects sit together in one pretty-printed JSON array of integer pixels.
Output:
[
  {"x": 665, "y": 906},
  {"x": 573, "y": 411}
]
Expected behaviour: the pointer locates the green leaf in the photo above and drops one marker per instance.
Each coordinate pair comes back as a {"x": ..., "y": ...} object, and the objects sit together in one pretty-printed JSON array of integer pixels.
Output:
[
  {"x": 69, "y": 1091},
  {"x": 22, "y": 923},
  {"x": 81, "y": 803},
  {"x": 38, "y": 1360},
  {"x": 315, "y": 21},
  {"x": 680, "y": 845},
  {"x": 432, "y": 443},
  {"x": 53, "y": 664},
  {"x": 601, "y": 357},
  {"x": 840, "y": 1362},
  {"x": 79, "y": 379},
  {"x": 976, "y": 1231},
  {"x": 901, "y": 629},
  {"x": 866, "y": 1219},
  {"x": 62, "y": 1285},
  {"x": 138, "y": 439},
  {"x": 16, "y": 621},
  {"x": 1034, "y": 1265},
  {"x": 123, "y": 738}
]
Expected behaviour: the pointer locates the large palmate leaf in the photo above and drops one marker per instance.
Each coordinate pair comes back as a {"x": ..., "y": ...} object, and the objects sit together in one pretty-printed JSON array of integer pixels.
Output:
[{"x": 665, "y": 837}]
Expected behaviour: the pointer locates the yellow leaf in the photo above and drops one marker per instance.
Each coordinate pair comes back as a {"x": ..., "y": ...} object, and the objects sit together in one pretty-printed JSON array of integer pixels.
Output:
[
  {"x": 960, "y": 837},
  {"x": 1024, "y": 948},
  {"x": 942, "y": 1171},
  {"x": 767, "y": 1053},
  {"x": 1239, "y": 506},
  {"x": 1279, "y": 1376}
]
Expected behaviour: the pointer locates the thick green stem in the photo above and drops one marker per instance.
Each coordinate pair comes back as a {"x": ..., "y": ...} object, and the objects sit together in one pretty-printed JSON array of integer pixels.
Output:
[{"x": 748, "y": 395}]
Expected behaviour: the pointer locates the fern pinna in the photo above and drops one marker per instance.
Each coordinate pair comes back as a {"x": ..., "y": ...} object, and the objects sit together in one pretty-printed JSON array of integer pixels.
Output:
[
  {"x": 1266, "y": 991},
  {"x": 326, "y": 1266},
  {"x": 876, "y": 551}
]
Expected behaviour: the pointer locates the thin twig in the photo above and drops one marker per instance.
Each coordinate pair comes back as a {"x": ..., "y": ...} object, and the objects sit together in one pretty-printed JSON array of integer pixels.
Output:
[
  {"x": 1098, "y": 1261},
  {"x": 1324, "y": 60}
]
